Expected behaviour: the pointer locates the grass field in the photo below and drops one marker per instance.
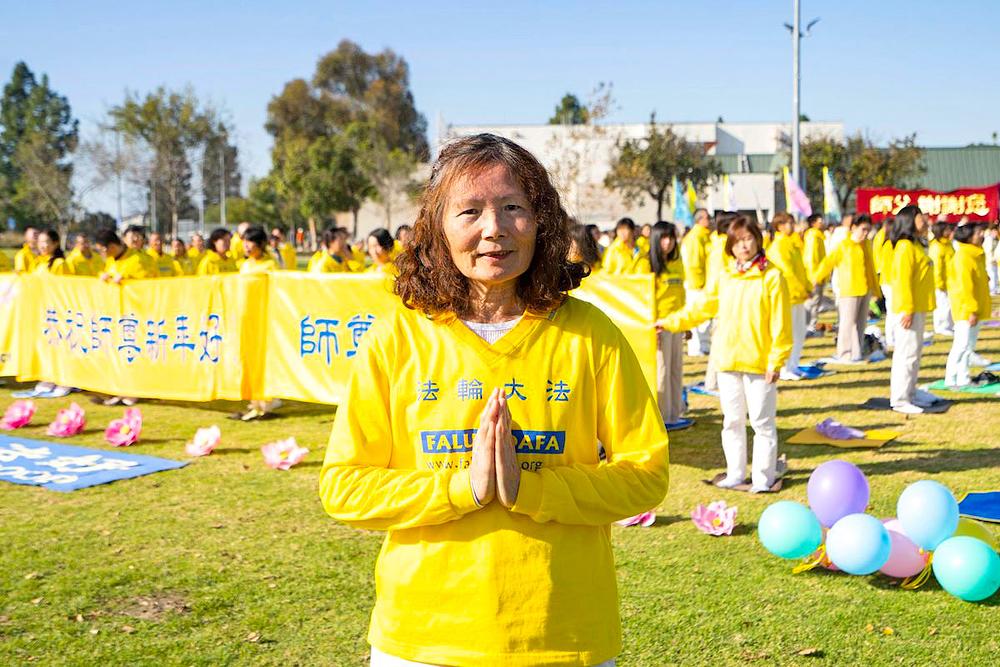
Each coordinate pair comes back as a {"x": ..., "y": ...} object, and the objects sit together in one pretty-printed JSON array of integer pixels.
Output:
[{"x": 228, "y": 562}]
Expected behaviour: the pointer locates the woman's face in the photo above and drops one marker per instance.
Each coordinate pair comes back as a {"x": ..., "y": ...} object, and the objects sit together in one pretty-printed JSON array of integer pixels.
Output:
[
  {"x": 860, "y": 232},
  {"x": 745, "y": 246},
  {"x": 920, "y": 222},
  {"x": 222, "y": 245},
  {"x": 252, "y": 249},
  {"x": 376, "y": 251},
  {"x": 667, "y": 243},
  {"x": 45, "y": 245},
  {"x": 490, "y": 227}
]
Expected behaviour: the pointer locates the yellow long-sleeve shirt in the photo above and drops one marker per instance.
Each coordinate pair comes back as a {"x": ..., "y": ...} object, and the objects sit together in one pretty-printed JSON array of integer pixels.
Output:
[
  {"x": 58, "y": 267},
  {"x": 785, "y": 254},
  {"x": 236, "y": 248},
  {"x": 753, "y": 316},
  {"x": 166, "y": 265},
  {"x": 24, "y": 260},
  {"x": 620, "y": 259},
  {"x": 213, "y": 263},
  {"x": 289, "y": 258},
  {"x": 716, "y": 262},
  {"x": 195, "y": 256},
  {"x": 940, "y": 253},
  {"x": 132, "y": 265},
  {"x": 813, "y": 250},
  {"x": 459, "y": 584},
  {"x": 324, "y": 262},
  {"x": 694, "y": 252},
  {"x": 265, "y": 264},
  {"x": 669, "y": 290},
  {"x": 855, "y": 268},
  {"x": 882, "y": 256},
  {"x": 82, "y": 265},
  {"x": 968, "y": 283},
  {"x": 912, "y": 279}
]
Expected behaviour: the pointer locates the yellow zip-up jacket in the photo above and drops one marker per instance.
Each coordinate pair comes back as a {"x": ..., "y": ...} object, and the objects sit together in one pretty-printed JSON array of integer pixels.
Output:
[
  {"x": 195, "y": 257},
  {"x": 669, "y": 290},
  {"x": 166, "y": 265},
  {"x": 236, "y": 248},
  {"x": 213, "y": 263},
  {"x": 621, "y": 260},
  {"x": 324, "y": 262},
  {"x": 694, "y": 252},
  {"x": 459, "y": 584},
  {"x": 81, "y": 265},
  {"x": 814, "y": 249},
  {"x": 188, "y": 266},
  {"x": 265, "y": 264},
  {"x": 940, "y": 253},
  {"x": 288, "y": 257},
  {"x": 855, "y": 268},
  {"x": 131, "y": 265},
  {"x": 753, "y": 316},
  {"x": 968, "y": 283},
  {"x": 716, "y": 262},
  {"x": 882, "y": 254},
  {"x": 59, "y": 267},
  {"x": 785, "y": 254},
  {"x": 912, "y": 279},
  {"x": 24, "y": 260}
]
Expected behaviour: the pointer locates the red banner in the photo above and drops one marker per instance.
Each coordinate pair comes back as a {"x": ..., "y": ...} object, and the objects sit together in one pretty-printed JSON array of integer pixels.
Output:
[{"x": 975, "y": 203}]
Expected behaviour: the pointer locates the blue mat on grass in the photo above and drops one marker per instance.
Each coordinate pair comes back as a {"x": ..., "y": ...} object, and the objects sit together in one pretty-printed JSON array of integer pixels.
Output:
[
  {"x": 982, "y": 505},
  {"x": 60, "y": 467}
]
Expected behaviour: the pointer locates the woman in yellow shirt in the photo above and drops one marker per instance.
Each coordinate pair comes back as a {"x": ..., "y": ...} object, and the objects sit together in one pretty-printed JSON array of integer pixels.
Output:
[
  {"x": 51, "y": 258},
  {"x": 258, "y": 259},
  {"x": 852, "y": 259},
  {"x": 217, "y": 257},
  {"x": 940, "y": 252},
  {"x": 583, "y": 248},
  {"x": 912, "y": 289},
  {"x": 494, "y": 428},
  {"x": 969, "y": 293},
  {"x": 668, "y": 271},
  {"x": 882, "y": 258},
  {"x": 380, "y": 249},
  {"x": 786, "y": 254},
  {"x": 626, "y": 254},
  {"x": 335, "y": 254},
  {"x": 750, "y": 345}
]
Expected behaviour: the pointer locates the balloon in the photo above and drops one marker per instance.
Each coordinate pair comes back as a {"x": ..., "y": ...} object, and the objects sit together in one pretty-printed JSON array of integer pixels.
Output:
[
  {"x": 928, "y": 512},
  {"x": 906, "y": 559},
  {"x": 967, "y": 568},
  {"x": 973, "y": 528},
  {"x": 837, "y": 488},
  {"x": 789, "y": 530},
  {"x": 858, "y": 544}
]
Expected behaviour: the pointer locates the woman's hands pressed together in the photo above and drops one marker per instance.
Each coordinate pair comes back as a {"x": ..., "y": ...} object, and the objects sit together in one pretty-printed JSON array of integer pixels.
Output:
[{"x": 494, "y": 469}]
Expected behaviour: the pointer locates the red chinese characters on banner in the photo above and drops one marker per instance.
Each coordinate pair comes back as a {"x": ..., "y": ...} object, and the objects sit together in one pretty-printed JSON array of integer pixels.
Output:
[{"x": 975, "y": 203}]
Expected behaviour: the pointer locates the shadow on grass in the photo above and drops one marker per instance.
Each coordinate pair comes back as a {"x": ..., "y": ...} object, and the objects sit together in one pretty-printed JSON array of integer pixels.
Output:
[
  {"x": 939, "y": 460},
  {"x": 664, "y": 521}
]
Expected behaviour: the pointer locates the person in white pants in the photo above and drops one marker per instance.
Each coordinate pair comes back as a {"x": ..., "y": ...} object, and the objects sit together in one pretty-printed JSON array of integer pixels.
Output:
[
  {"x": 752, "y": 342},
  {"x": 786, "y": 254},
  {"x": 940, "y": 252},
  {"x": 968, "y": 287},
  {"x": 913, "y": 297}
]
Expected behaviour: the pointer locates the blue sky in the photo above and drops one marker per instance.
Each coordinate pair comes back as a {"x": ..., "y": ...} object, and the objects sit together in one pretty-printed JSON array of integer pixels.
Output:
[{"x": 886, "y": 68}]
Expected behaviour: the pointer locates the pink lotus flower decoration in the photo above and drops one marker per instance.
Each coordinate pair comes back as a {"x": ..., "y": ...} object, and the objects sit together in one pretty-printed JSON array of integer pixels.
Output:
[
  {"x": 716, "y": 519},
  {"x": 205, "y": 440},
  {"x": 18, "y": 414},
  {"x": 125, "y": 431},
  {"x": 283, "y": 454},
  {"x": 69, "y": 421},
  {"x": 645, "y": 519}
]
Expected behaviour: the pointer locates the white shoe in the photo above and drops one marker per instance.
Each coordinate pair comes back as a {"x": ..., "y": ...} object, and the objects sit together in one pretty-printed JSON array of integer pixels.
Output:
[
  {"x": 786, "y": 374},
  {"x": 979, "y": 360},
  {"x": 760, "y": 489},
  {"x": 729, "y": 482},
  {"x": 908, "y": 409}
]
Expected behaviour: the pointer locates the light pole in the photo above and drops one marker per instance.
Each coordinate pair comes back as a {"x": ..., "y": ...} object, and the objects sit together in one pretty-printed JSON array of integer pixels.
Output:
[{"x": 795, "y": 29}]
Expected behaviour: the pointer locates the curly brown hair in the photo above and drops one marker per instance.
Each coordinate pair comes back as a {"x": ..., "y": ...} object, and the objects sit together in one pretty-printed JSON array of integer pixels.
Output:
[{"x": 428, "y": 278}]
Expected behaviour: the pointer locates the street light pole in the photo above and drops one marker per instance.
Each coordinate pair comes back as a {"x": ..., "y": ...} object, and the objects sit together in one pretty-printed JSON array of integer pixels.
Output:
[
  {"x": 222, "y": 183},
  {"x": 796, "y": 78}
]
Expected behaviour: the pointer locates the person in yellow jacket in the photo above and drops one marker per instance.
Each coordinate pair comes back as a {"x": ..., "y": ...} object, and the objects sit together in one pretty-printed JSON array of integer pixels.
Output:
[
  {"x": 785, "y": 253},
  {"x": 284, "y": 251},
  {"x": 83, "y": 261},
  {"x": 583, "y": 248},
  {"x": 669, "y": 296},
  {"x": 167, "y": 266},
  {"x": 334, "y": 256},
  {"x": 197, "y": 250},
  {"x": 912, "y": 298},
  {"x": 236, "y": 252},
  {"x": 625, "y": 255},
  {"x": 813, "y": 253},
  {"x": 120, "y": 262},
  {"x": 24, "y": 259},
  {"x": 969, "y": 294},
  {"x": 180, "y": 254},
  {"x": 694, "y": 253},
  {"x": 852, "y": 259},
  {"x": 750, "y": 345},
  {"x": 715, "y": 265},
  {"x": 882, "y": 258},
  {"x": 380, "y": 246},
  {"x": 51, "y": 258},
  {"x": 217, "y": 258},
  {"x": 940, "y": 252},
  {"x": 495, "y": 429}
]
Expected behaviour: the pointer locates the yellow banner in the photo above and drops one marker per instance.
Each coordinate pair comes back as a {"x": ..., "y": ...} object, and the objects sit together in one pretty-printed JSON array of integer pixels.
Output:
[{"x": 283, "y": 335}]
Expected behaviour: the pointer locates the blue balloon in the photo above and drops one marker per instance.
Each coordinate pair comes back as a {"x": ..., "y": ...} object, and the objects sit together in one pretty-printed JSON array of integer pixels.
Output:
[
  {"x": 858, "y": 544},
  {"x": 967, "y": 568},
  {"x": 789, "y": 530},
  {"x": 928, "y": 512}
]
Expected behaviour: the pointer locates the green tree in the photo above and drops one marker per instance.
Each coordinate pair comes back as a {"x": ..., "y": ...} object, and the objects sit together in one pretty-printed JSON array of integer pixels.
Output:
[
  {"x": 570, "y": 111},
  {"x": 388, "y": 170},
  {"x": 648, "y": 166},
  {"x": 37, "y": 135},
  {"x": 219, "y": 154},
  {"x": 171, "y": 124},
  {"x": 858, "y": 162}
]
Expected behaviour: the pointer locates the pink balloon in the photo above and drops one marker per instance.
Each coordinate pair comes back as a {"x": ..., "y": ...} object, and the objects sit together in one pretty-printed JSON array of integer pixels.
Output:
[{"x": 906, "y": 559}]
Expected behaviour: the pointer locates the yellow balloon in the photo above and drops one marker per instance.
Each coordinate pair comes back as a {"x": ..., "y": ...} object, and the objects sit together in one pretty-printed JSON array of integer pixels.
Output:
[{"x": 980, "y": 531}]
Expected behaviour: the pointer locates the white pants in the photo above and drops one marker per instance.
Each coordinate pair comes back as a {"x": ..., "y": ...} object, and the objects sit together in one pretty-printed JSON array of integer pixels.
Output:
[
  {"x": 670, "y": 375},
  {"x": 962, "y": 348},
  {"x": 906, "y": 361},
  {"x": 700, "y": 340},
  {"x": 798, "y": 337},
  {"x": 743, "y": 394},
  {"x": 890, "y": 316},
  {"x": 942, "y": 313},
  {"x": 380, "y": 659},
  {"x": 993, "y": 271}
]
